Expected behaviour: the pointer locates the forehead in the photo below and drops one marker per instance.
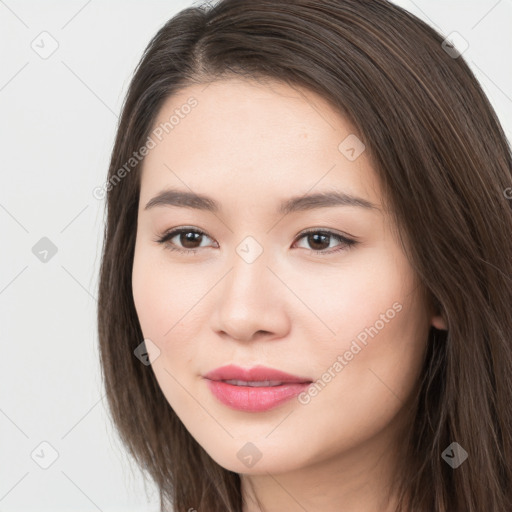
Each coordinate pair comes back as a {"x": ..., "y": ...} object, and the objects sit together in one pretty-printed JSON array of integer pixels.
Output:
[{"x": 259, "y": 139}]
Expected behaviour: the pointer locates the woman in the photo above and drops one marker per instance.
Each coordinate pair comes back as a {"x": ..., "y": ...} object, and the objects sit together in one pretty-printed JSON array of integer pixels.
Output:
[{"x": 306, "y": 278}]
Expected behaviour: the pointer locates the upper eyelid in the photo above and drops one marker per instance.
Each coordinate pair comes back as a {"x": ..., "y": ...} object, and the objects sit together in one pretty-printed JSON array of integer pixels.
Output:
[
  {"x": 177, "y": 231},
  {"x": 187, "y": 229}
]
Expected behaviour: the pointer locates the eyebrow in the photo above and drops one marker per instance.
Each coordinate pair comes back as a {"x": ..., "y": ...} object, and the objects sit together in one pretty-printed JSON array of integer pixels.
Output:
[{"x": 185, "y": 199}]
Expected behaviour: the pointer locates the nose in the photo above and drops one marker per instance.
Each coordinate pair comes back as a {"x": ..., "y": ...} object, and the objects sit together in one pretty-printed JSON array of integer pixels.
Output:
[{"x": 251, "y": 302}]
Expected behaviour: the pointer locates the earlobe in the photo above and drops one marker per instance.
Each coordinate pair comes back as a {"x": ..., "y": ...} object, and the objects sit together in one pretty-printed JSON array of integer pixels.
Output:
[
  {"x": 439, "y": 322},
  {"x": 437, "y": 319}
]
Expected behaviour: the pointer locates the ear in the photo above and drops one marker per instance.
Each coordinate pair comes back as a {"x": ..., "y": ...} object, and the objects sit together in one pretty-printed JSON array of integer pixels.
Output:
[
  {"x": 439, "y": 322},
  {"x": 438, "y": 319}
]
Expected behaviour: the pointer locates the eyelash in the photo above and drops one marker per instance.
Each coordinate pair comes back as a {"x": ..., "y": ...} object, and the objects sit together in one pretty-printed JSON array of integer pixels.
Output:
[{"x": 347, "y": 242}]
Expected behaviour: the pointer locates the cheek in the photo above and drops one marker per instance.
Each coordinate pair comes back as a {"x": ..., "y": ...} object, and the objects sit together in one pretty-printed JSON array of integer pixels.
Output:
[
  {"x": 158, "y": 291},
  {"x": 354, "y": 295},
  {"x": 368, "y": 371},
  {"x": 159, "y": 301},
  {"x": 147, "y": 294},
  {"x": 153, "y": 300},
  {"x": 380, "y": 330},
  {"x": 168, "y": 305}
]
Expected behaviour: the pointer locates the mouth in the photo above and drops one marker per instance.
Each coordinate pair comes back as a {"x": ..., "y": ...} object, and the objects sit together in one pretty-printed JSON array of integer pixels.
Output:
[
  {"x": 264, "y": 383},
  {"x": 255, "y": 376},
  {"x": 254, "y": 390}
]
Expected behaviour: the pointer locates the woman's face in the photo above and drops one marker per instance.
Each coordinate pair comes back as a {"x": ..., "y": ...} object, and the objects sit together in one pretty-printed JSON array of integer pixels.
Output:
[{"x": 259, "y": 291}]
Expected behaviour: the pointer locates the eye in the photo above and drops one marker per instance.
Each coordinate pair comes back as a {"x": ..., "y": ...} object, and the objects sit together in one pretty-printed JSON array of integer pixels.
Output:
[
  {"x": 191, "y": 240},
  {"x": 189, "y": 237},
  {"x": 320, "y": 239}
]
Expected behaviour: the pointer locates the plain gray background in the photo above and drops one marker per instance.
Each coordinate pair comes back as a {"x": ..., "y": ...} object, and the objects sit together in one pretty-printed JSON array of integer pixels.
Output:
[{"x": 58, "y": 120}]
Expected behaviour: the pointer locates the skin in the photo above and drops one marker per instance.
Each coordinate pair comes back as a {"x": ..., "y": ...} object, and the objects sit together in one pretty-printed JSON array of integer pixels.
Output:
[{"x": 249, "y": 146}]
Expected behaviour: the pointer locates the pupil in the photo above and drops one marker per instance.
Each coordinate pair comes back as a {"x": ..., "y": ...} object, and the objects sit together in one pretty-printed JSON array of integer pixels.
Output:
[
  {"x": 189, "y": 237},
  {"x": 315, "y": 238}
]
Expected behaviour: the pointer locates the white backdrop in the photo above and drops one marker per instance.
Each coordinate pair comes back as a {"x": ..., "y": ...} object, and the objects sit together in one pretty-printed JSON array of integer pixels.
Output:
[{"x": 64, "y": 71}]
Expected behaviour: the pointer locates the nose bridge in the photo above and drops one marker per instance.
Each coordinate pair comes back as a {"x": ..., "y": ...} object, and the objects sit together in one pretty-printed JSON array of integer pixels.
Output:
[
  {"x": 248, "y": 301},
  {"x": 249, "y": 274}
]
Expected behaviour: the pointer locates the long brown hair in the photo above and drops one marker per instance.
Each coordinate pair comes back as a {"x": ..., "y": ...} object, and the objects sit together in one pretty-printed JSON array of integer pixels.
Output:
[{"x": 445, "y": 165}]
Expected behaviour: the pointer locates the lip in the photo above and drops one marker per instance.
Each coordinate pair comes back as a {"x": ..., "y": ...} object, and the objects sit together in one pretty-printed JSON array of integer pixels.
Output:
[
  {"x": 254, "y": 374},
  {"x": 254, "y": 399}
]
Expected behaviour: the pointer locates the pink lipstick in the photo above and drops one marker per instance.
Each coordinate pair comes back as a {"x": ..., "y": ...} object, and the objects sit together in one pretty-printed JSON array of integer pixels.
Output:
[{"x": 254, "y": 389}]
